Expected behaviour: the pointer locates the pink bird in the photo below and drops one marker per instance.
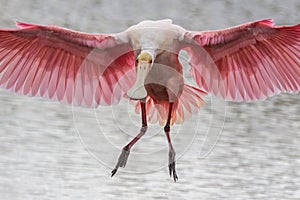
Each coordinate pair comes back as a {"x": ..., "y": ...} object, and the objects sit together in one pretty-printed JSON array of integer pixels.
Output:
[{"x": 248, "y": 62}]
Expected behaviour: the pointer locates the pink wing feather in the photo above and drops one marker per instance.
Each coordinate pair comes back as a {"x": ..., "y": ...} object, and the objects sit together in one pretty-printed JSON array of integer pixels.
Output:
[
  {"x": 248, "y": 62},
  {"x": 68, "y": 66}
]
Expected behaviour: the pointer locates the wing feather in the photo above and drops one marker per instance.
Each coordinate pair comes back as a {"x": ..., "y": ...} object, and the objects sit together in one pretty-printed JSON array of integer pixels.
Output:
[
  {"x": 61, "y": 64},
  {"x": 251, "y": 61}
]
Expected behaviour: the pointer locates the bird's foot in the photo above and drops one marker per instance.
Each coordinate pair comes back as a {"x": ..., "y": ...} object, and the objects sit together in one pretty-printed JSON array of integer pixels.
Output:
[
  {"x": 121, "y": 161},
  {"x": 172, "y": 170}
]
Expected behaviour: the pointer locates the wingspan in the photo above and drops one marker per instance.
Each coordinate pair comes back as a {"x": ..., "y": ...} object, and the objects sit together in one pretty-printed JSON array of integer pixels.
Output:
[
  {"x": 65, "y": 65},
  {"x": 248, "y": 62}
]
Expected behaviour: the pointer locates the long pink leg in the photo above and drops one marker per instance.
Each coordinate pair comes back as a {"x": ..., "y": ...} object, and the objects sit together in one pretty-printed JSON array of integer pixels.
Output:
[
  {"x": 126, "y": 150},
  {"x": 172, "y": 170}
]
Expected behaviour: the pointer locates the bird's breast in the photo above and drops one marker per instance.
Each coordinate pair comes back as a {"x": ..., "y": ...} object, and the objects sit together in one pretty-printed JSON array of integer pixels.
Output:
[
  {"x": 157, "y": 92},
  {"x": 165, "y": 79}
]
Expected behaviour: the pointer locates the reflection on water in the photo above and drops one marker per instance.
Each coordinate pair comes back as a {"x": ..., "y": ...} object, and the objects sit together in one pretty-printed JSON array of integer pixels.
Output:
[{"x": 53, "y": 151}]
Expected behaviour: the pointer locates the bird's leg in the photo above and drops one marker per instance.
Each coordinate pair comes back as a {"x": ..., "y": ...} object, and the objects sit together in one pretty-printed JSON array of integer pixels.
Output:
[
  {"x": 172, "y": 169},
  {"x": 126, "y": 150}
]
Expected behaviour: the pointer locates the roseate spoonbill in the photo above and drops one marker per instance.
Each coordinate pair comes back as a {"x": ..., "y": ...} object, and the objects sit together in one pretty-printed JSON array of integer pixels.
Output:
[{"x": 247, "y": 62}]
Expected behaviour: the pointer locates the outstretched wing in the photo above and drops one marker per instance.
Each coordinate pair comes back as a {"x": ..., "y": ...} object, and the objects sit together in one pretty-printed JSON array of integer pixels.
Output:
[
  {"x": 248, "y": 62},
  {"x": 68, "y": 66}
]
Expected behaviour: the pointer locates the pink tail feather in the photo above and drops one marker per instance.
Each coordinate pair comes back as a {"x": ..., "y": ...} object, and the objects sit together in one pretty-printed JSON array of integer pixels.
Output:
[{"x": 189, "y": 103}]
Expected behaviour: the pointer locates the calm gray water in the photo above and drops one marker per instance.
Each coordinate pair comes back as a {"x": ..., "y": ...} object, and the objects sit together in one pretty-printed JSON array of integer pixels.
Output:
[{"x": 54, "y": 151}]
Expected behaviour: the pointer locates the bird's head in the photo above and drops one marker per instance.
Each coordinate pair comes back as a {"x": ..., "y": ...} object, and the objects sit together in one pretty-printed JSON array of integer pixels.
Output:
[
  {"x": 145, "y": 56},
  {"x": 144, "y": 64}
]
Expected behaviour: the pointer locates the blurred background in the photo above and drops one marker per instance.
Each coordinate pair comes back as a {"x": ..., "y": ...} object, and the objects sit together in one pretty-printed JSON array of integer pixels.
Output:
[{"x": 229, "y": 150}]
